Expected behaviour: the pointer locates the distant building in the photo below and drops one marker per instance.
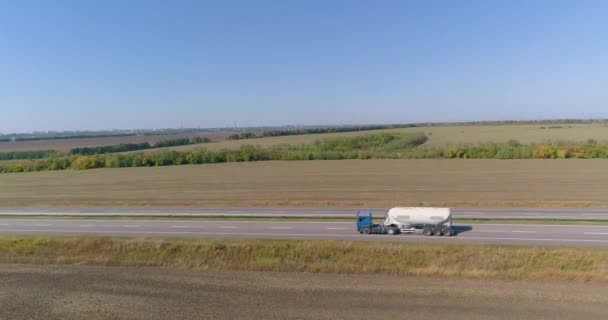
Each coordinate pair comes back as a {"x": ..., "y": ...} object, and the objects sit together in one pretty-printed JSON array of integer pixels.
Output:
[{"x": 13, "y": 138}]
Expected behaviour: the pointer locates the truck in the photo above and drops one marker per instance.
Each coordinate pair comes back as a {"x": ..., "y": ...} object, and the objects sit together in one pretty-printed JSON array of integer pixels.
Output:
[{"x": 408, "y": 220}]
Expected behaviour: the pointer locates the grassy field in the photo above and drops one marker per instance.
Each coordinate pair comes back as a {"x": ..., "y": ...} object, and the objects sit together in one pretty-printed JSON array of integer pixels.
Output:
[
  {"x": 441, "y": 136},
  {"x": 360, "y": 183},
  {"x": 65, "y": 145},
  {"x": 485, "y": 262}
]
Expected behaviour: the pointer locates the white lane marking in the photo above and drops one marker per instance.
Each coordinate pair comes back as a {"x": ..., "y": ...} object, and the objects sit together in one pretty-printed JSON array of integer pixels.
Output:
[
  {"x": 228, "y": 227},
  {"x": 130, "y": 226},
  {"x": 596, "y": 232},
  {"x": 336, "y": 228},
  {"x": 191, "y": 227},
  {"x": 591, "y": 214},
  {"x": 490, "y": 231},
  {"x": 187, "y": 221},
  {"x": 86, "y": 225},
  {"x": 280, "y": 228},
  {"x": 522, "y": 231},
  {"x": 3, "y": 224},
  {"x": 533, "y": 225},
  {"x": 43, "y": 225},
  {"x": 301, "y": 235},
  {"x": 270, "y": 221}
]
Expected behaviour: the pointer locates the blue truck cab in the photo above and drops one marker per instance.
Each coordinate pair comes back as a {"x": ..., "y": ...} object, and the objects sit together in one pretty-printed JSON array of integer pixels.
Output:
[
  {"x": 365, "y": 225},
  {"x": 364, "y": 220}
]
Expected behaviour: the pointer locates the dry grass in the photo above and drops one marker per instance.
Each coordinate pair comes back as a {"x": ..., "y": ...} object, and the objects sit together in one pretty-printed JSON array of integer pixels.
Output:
[
  {"x": 441, "y": 136},
  {"x": 67, "y": 144},
  {"x": 485, "y": 262},
  {"x": 360, "y": 183}
]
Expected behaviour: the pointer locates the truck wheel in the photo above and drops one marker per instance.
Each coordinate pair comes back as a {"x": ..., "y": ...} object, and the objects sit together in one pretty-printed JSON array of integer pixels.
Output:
[
  {"x": 437, "y": 232},
  {"x": 446, "y": 232},
  {"x": 365, "y": 231},
  {"x": 427, "y": 232},
  {"x": 391, "y": 231}
]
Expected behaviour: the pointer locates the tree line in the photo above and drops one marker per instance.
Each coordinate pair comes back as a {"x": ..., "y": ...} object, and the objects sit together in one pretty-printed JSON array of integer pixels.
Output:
[
  {"x": 279, "y": 133},
  {"x": 123, "y": 147},
  {"x": 23, "y": 155},
  {"x": 290, "y": 132},
  {"x": 363, "y": 147},
  {"x": 381, "y": 146},
  {"x": 512, "y": 149}
]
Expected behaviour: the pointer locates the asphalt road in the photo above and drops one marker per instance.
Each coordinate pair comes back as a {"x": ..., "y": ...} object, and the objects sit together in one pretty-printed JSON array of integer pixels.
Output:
[
  {"x": 519, "y": 234},
  {"x": 585, "y": 214}
]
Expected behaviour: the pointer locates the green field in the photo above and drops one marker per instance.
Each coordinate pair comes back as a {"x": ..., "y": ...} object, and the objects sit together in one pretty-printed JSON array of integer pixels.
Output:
[
  {"x": 441, "y": 136},
  {"x": 360, "y": 183}
]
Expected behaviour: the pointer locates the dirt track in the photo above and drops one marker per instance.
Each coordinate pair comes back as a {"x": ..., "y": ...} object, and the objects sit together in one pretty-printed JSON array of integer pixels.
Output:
[{"x": 52, "y": 292}]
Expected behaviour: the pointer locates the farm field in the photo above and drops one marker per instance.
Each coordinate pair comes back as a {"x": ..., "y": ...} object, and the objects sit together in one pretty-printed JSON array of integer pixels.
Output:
[
  {"x": 65, "y": 145},
  {"x": 437, "y": 182},
  {"x": 441, "y": 136},
  {"x": 57, "y": 292}
]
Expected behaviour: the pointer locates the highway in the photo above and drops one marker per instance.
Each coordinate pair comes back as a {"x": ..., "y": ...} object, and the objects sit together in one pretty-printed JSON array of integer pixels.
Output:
[
  {"x": 517, "y": 234},
  {"x": 581, "y": 214}
]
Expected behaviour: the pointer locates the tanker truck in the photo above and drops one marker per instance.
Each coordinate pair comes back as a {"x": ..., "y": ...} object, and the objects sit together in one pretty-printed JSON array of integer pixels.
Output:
[{"x": 427, "y": 221}]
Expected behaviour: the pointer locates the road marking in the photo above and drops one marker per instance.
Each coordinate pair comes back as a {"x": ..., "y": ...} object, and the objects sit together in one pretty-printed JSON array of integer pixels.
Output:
[
  {"x": 228, "y": 227},
  {"x": 3, "y": 224},
  {"x": 591, "y": 214},
  {"x": 130, "y": 226},
  {"x": 596, "y": 232},
  {"x": 522, "y": 231},
  {"x": 43, "y": 225},
  {"x": 180, "y": 227},
  {"x": 336, "y": 228},
  {"x": 490, "y": 231},
  {"x": 86, "y": 225},
  {"x": 533, "y": 225},
  {"x": 273, "y": 222},
  {"x": 281, "y": 228}
]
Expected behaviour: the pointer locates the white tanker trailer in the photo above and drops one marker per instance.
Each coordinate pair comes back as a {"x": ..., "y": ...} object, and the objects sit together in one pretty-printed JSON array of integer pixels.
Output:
[{"x": 428, "y": 221}]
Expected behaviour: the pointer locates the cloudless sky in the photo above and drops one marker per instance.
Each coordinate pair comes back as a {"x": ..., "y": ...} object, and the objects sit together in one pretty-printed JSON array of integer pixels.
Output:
[{"x": 126, "y": 64}]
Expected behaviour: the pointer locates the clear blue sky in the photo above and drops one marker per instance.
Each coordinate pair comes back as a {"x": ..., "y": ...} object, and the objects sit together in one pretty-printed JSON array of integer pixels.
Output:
[{"x": 149, "y": 64}]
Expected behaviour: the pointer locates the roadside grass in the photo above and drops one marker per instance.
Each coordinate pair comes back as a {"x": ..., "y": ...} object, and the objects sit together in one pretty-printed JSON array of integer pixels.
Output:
[
  {"x": 462, "y": 261},
  {"x": 238, "y": 218}
]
